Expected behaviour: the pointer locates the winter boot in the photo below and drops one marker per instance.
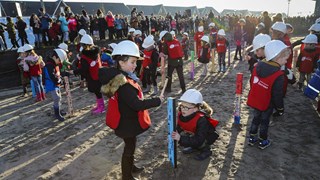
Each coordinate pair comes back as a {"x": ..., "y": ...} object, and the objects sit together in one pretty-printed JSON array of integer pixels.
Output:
[
  {"x": 147, "y": 89},
  {"x": 43, "y": 96},
  {"x": 96, "y": 107},
  {"x": 38, "y": 98},
  {"x": 127, "y": 167},
  {"x": 57, "y": 113},
  {"x": 155, "y": 90},
  {"x": 224, "y": 69},
  {"x": 100, "y": 108}
]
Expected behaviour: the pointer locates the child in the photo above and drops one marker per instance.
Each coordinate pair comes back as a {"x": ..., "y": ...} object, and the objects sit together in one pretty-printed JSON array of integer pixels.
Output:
[
  {"x": 65, "y": 65},
  {"x": 196, "y": 129},
  {"x": 106, "y": 58},
  {"x": 197, "y": 38},
  {"x": 53, "y": 80},
  {"x": 130, "y": 35},
  {"x": 127, "y": 109},
  {"x": 266, "y": 91},
  {"x": 90, "y": 65},
  {"x": 307, "y": 59},
  {"x": 204, "y": 55},
  {"x": 149, "y": 65},
  {"x": 138, "y": 40},
  {"x": 257, "y": 52},
  {"x": 185, "y": 45},
  {"x": 221, "y": 45},
  {"x": 35, "y": 65},
  {"x": 25, "y": 79}
]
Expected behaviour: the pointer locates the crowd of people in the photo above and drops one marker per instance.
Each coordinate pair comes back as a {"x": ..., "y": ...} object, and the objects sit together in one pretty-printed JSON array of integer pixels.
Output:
[{"x": 119, "y": 70}]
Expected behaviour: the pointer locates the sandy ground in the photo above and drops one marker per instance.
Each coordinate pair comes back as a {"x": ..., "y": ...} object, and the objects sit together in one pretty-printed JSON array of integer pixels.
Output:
[{"x": 35, "y": 146}]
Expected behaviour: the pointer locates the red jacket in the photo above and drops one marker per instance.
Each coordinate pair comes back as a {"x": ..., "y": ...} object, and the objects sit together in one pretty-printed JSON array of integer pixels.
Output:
[
  {"x": 191, "y": 125},
  {"x": 174, "y": 49},
  {"x": 113, "y": 114},
  {"x": 110, "y": 21},
  {"x": 261, "y": 88},
  {"x": 147, "y": 58}
]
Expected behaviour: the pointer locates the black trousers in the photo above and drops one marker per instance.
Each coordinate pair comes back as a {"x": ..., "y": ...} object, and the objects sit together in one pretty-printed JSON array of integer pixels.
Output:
[{"x": 179, "y": 69}]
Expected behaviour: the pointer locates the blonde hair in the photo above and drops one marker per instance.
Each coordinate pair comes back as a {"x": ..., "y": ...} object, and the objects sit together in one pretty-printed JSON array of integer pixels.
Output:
[{"x": 206, "y": 108}]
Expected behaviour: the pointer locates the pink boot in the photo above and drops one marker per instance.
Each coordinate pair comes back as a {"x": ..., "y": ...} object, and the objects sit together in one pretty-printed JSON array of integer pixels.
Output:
[
  {"x": 96, "y": 107},
  {"x": 100, "y": 108}
]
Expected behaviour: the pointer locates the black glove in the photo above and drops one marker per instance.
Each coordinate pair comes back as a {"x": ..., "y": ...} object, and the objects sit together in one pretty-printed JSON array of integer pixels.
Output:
[{"x": 278, "y": 113}]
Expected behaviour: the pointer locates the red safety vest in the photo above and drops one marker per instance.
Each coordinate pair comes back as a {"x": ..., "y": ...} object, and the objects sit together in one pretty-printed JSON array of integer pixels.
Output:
[
  {"x": 174, "y": 49},
  {"x": 147, "y": 58},
  {"x": 191, "y": 126},
  {"x": 306, "y": 65},
  {"x": 221, "y": 45},
  {"x": 94, "y": 66},
  {"x": 113, "y": 114},
  {"x": 260, "y": 93},
  {"x": 35, "y": 70},
  {"x": 289, "y": 60}
]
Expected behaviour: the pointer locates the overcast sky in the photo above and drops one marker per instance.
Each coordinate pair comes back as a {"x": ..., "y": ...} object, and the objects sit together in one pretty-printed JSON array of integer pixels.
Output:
[{"x": 297, "y": 7}]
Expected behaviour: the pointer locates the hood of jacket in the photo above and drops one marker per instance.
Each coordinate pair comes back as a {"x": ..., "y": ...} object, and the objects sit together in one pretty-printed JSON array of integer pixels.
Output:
[{"x": 111, "y": 79}]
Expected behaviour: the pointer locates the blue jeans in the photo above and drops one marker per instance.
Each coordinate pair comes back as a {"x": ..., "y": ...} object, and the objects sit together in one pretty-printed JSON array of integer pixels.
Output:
[
  {"x": 37, "y": 38},
  {"x": 37, "y": 81},
  {"x": 262, "y": 119}
]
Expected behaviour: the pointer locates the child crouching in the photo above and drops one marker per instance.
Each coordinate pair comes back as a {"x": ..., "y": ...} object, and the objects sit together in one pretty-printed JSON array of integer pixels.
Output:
[{"x": 194, "y": 120}]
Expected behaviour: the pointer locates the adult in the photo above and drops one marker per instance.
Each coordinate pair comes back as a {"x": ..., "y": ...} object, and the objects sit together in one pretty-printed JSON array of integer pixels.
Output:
[
  {"x": 45, "y": 22},
  {"x": 102, "y": 24},
  {"x": 266, "y": 21},
  {"x": 35, "y": 23},
  {"x": 110, "y": 24}
]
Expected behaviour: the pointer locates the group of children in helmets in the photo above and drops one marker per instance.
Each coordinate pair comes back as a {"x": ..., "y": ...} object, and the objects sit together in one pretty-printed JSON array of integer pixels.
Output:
[
  {"x": 127, "y": 108},
  {"x": 271, "y": 71}
]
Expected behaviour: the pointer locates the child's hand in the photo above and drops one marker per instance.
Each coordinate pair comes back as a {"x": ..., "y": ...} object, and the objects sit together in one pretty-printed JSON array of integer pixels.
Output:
[
  {"x": 175, "y": 135},
  {"x": 161, "y": 98}
]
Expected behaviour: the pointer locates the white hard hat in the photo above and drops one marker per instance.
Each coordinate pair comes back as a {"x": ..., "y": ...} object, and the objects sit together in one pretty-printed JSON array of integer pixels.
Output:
[
  {"x": 205, "y": 38},
  {"x": 127, "y": 48},
  {"x": 131, "y": 30},
  {"x": 261, "y": 24},
  {"x": 172, "y": 32},
  {"x": 20, "y": 49},
  {"x": 315, "y": 27},
  {"x": 82, "y": 32},
  {"x": 113, "y": 45},
  {"x": 317, "y": 21},
  {"x": 61, "y": 53},
  {"x": 242, "y": 20},
  {"x": 200, "y": 28},
  {"x": 63, "y": 46},
  {"x": 148, "y": 41},
  {"x": 311, "y": 39},
  {"x": 27, "y": 47},
  {"x": 280, "y": 26},
  {"x": 273, "y": 49},
  {"x": 221, "y": 32},
  {"x": 162, "y": 33},
  {"x": 185, "y": 33},
  {"x": 137, "y": 32},
  {"x": 212, "y": 25},
  {"x": 86, "y": 39},
  {"x": 192, "y": 96},
  {"x": 260, "y": 41}
]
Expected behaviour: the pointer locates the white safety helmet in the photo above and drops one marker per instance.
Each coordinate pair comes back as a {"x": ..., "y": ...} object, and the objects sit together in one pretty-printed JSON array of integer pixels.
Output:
[
  {"x": 131, "y": 30},
  {"x": 317, "y": 21},
  {"x": 62, "y": 54},
  {"x": 212, "y": 25},
  {"x": 172, "y": 33},
  {"x": 261, "y": 25},
  {"x": 86, "y": 39},
  {"x": 260, "y": 41},
  {"x": 82, "y": 32},
  {"x": 311, "y": 39},
  {"x": 185, "y": 33},
  {"x": 192, "y": 96},
  {"x": 137, "y": 32},
  {"x": 205, "y": 38},
  {"x": 315, "y": 27},
  {"x": 280, "y": 26},
  {"x": 63, "y": 46},
  {"x": 162, "y": 33},
  {"x": 273, "y": 49},
  {"x": 127, "y": 48},
  {"x": 221, "y": 32},
  {"x": 27, "y": 47},
  {"x": 242, "y": 20},
  {"x": 200, "y": 28},
  {"x": 20, "y": 49},
  {"x": 148, "y": 41},
  {"x": 113, "y": 45}
]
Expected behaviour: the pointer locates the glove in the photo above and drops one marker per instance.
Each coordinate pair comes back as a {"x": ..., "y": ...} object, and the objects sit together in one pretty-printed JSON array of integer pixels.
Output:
[{"x": 278, "y": 113}]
